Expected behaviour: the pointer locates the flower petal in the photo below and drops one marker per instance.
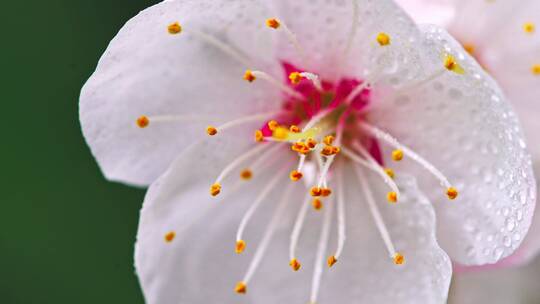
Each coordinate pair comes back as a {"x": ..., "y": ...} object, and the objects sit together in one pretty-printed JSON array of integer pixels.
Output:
[
  {"x": 147, "y": 71},
  {"x": 199, "y": 264},
  {"x": 463, "y": 125}
]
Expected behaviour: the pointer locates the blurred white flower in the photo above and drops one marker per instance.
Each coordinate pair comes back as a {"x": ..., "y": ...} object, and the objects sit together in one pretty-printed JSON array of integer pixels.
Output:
[
  {"x": 503, "y": 36},
  {"x": 364, "y": 89}
]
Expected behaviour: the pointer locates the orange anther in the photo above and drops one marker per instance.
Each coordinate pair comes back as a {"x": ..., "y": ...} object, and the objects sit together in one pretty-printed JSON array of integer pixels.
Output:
[{"x": 143, "y": 121}]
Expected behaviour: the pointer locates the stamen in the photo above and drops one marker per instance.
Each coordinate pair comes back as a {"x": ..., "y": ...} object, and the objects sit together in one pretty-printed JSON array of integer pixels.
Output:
[
  {"x": 211, "y": 130},
  {"x": 267, "y": 237},
  {"x": 399, "y": 259},
  {"x": 372, "y": 165},
  {"x": 389, "y": 172},
  {"x": 238, "y": 161},
  {"x": 294, "y": 129},
  {"x": 535, "y": 69},
  {"x": 529, "y": 27},
  {"x": 317, "y": 204},
  {"x": 259, "y": 136},
  {"x": 379, "y": 134},
  {"x": 397, "y": 155},
  {"x": 297, "y": 228},
  {"x": 278, "y": 24},
  {"x": 314, "y": 79},
  {"x": 328, "y": 140},
  {"x": 295, "y": 265},
  {"x": 379, "y": 222},
  {"x": 240, "y": 246},
  {"x": 383, "y": 39},
  {"x": 354, "y": 27},
  {"x": 357, "y": 90},
  {"x": 252, "y": 75},
  {"x": 143, "y": 121},
  {"x": 215, "y": 189},
  {"x": 316, "y": 191},
  {"x": 246, "y": 174},
  {"x": 227, "y": 49},
  {"x": 169, "y": 237},
  {"x": 244, "y": 120},
  {"x": 295, "y": 175},
  {"x": 319, "y": 260},
  {"x": 241, "y": 288},
  {"x": 341, "y": 220},
  {"x": 452, "y": 65},
  {"x": 174, "y": 28},
  {"x": 253, "y": 207}
]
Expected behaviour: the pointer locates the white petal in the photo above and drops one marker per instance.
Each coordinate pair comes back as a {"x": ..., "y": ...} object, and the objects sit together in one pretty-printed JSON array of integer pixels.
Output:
[
  {"x": 147, "y": 71},
  {"x": 464, "y": 126},
  {"x": 200, "y": 266}
]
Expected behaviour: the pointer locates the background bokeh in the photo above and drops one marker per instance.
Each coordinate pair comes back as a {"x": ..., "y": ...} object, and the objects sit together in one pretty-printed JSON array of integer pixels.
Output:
[{"x": 66, "y": 234}]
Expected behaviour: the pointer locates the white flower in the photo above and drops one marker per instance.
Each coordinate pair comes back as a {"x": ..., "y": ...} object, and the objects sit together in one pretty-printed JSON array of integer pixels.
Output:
[
  {"x": 360, "y": 71},
  {"x": 504, "y": 37}
]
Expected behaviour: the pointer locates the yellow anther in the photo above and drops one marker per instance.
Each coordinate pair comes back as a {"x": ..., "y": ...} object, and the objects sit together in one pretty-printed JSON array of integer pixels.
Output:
[
  {"x": 330, "y": 150},
  {"x": 280, "y": 133},
  {"x": 331, "y": 261},
  {"x": 315, "y": 191},
  {"x": 294, "y": 129},
  {"x": 317, "y": 204},
  {"x": 535, "y": 69},
  {"x": 399, "y": 259},
  {"x": 451, "y": 64},
  {"x": 295, "y": 77},
  {"x": 248, "y": 75},
  {"x": 215, "y": 189},
  {"x": 390, "y": 172},
  {"x": 392, "y": 197},
  {"x": 529, "y": 27},
  {"x": 143, "y": 121},
  {"x": 325, "y": 192},
  {"x": 240, "y": 246},
  {"x": 174, "y": 28},
  {"x": 300, "y": 147},
  {"x": 328, "y": 140},
  {"x": 383, "y": 39},
  {"x": 246, "y": 174},
  {"x": 295, "y": 265},
  {"x": 311, "y": 143},
  {"x": 240, "y": 287},
  {"x": 211, "y": 130},
  {"x": 169, "y": 237},
  {"x": 469, "y": 47},
  {"x": 397, "y": 155},
  {"x": 273, "y": 23},
  {"x": 295, "y": 175},
  {"x": 452, "y": 193},
  {"x": 259, "y": 135},
  {"x": 272, "y": 125}
]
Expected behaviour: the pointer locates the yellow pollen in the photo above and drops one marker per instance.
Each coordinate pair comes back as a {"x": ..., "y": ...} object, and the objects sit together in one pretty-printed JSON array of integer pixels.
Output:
[
  {"x": 397, "y": 155},
  {"x": 452, "y": 193},
  {"x": 529, "y": 27},
  {"x": 317, "y": 204},
  {"x": 331, "y": 261},
  {"x": 383, "y": 39},
  {"x": 246, "y": 174},
  {"x": 535, "y": 69},
  {"x": 311, "y": 143},
  {"x": 259, "y": 136},
  {"x": 169, "y": 237},
  {"x": 399, "y": 259},
  {"x": 328, "y": 140},
  {"x": 390, "y": 172},
  {"x": 240, "y": 288},
  {"x": 215, "y": 189},
  {"x": 325, "y": 192},
  {"x": 295, "y": 77},
  {"x": 272, "y": 125},
  {"x": 279, "y": 133},
  {"x": 469, "y": 47},
  {"x": 392, "y": 197},
  {"x": 294, "y": 129},
  {"x": 143, "y": 122},
  {"x": 300, "y": 147},
  {"x": 315, "y": 191},
  {"x": 295, "y": 175},
  {"x": 330, "y": 150},
  {"x": 273, "y": 23},
  {"x": 211, "y": 130},
  {"x": 174, "y": 28},
  {"x": 451, "y": 64},
  {"x": 295, "y": 265},
  {"x": 240, "y": 246},
  {"x": 248, "y": 75}
]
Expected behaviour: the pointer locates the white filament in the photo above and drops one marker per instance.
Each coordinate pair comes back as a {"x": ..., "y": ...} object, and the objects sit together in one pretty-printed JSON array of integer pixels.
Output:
[
  {"x": 354, "y": 27},
  {"x": 267, "y": 237},
  {"x": 373, "y": 167},
  {"x": 293, "y": 40},
  {"x": 277, "y": 84},
  {"x": 238, "y": 161},
  {"x": 378, "y": 133},
  {"x": 341, "y": 215},
  {"x": 253, "y": 207},
  {"x": 379, "y": 222},
  {"x": 298, "y": 224},
  {"x": 321, "y": 250},
  {"x": 247, "y": 119},
  {"x": 314, "y": 78},
  {"x": 229, "y": 50}
]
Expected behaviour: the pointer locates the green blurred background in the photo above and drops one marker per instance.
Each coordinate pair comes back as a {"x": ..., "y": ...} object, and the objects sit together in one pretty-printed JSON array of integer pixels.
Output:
[{"x": 66, "y": 234}]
